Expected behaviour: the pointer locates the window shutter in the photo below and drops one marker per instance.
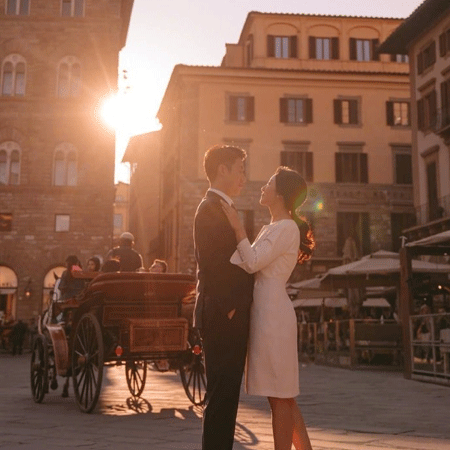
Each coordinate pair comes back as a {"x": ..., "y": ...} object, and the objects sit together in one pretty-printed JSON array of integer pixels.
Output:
[
  {"x": 363, "y": 169},
  {"x": 283, "y": 159},
  {"x": 293, "y": 47},
  {"x": 353, "y": 105},
  {"x": 338, "y": 167},
  {"x": 309, "y": 166},
  {"x": 444, "y": 103},
  {"x": 432, "y": 53},
  {"x": 233, "y": 105},
  {"x": 353, "y": 49},
  {"x": 390, "y": 113},
  {"x": 283, "y": 110},
  {"x": 420, "y": 63},
  {"x": 393, "y": 58},
  {"x": 312, "y": 47},
  {"x": 250, "y": 103},
  {"x": 442, "y": 44},
  {"x": 433, "y": 109},
  {"x": 420, "y": 113},
  {"x": 24, "y": 6},
  {"x": 375, "y": 44},
  {"x": 409, "y": 113},
  {"x": 337, "y": 111},
  {"x": 335, "y": 48},
  {"x": 309, "y": 110},
  {"x": 270, "y": 45}
]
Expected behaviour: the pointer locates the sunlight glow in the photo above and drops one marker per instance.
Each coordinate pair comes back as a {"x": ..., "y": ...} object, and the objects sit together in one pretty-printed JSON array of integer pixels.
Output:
[{"x": 127, "y": 114}]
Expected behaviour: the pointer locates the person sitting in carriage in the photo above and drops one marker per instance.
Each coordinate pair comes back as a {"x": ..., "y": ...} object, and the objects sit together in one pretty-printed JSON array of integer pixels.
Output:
[
  {"x": 130, "y": 260},
  {"x": 70, "y": 286}
]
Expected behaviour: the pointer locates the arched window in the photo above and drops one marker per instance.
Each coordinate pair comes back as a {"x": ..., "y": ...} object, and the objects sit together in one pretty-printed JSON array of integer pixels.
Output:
[
  {"x": 13, "y": 75},
  {"x": 18, "y": 7},
  {"x": 65, "y": 165},
  {"x": 72, "y": 8},
  {"x": 69, "y": 77},
  {"x": 9, "y": 163}
]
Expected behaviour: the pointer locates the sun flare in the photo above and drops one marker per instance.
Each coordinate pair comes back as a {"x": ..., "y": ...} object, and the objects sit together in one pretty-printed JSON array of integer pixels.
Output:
[{"x": 128, "y": 114}]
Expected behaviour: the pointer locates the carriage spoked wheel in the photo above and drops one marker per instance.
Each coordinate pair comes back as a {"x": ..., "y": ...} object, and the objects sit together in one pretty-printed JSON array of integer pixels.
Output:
[
  {"x": 192, "y": 374},
  {"x": 39, "y": 368},
  {"x": 136, "y": 374},
  {"x": 87, "y": 362}
]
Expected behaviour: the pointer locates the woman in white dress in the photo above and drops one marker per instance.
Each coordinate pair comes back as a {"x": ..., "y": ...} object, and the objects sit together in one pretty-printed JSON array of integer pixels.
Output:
[{"x": 272, "y": 361}]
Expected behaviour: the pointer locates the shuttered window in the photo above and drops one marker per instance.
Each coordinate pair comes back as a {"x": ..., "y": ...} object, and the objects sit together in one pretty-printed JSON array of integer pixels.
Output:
[
  {"x": 282, "y": 46},
  {"x": 427, "y": 111},
  {"x": 364, "y": 49},
  {"x": 398, "y": 113},
  {"x": 351, "y": 167},
  {"x": 241, "y": 108},
  {"x": 298, "y": 158},
  {"x": 346, "y": 112},
  {"x": 323, "y": 48},
  {"x": 18, "y": 7},
  {"x": 426, "y": 58},
  {"x": 444, "y": 43},
  {"x": 295, "y": 110},
  {"x": 403, "y": 168},
  {"x": 445, "y": 102}
]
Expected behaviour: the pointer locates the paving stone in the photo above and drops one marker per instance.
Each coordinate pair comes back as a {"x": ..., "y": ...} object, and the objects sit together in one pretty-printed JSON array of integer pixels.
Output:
[{"x": 344, "y": 410}]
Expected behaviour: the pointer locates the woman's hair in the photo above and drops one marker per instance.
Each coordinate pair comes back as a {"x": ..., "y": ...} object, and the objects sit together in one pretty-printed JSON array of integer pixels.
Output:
[
  {"x": 292, "y": 187},
  {"x": 72, "y": 260},
  {"x": 96, "y": 262}
]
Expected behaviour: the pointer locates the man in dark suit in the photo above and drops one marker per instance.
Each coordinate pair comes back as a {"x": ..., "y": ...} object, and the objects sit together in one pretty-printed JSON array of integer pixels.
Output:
[{"x": 224, "y": 295}]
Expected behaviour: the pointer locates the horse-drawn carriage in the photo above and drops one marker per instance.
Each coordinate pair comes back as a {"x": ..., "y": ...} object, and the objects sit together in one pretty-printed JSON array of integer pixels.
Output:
[{"x": 120, "y": 318}]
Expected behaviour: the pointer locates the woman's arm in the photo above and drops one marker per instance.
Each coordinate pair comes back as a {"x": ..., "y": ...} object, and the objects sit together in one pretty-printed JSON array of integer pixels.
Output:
[{"x": 235, "y": 221}]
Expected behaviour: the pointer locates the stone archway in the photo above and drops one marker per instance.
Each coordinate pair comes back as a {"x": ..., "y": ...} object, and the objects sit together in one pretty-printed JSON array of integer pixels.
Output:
[
  {"x": 8, "y": 292},
  {"x": 49, "y": 283}
]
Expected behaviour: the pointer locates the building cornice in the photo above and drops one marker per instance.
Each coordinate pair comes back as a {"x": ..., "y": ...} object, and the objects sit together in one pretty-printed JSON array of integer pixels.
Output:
[
  {"x": 422, "y": 19},
  {"x": 254, "y": 14}
]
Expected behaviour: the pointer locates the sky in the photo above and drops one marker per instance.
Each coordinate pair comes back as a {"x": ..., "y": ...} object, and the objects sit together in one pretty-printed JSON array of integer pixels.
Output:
[{"x": 165, "y": 33}]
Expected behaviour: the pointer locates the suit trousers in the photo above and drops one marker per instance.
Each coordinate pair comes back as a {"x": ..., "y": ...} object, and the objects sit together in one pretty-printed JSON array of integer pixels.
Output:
[{"x": 225, "y": 347}]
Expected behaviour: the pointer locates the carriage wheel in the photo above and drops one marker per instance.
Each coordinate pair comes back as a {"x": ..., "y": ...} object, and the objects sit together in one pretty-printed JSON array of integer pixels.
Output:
[
  {"x": 136, "y": 373},
  {"x": 193, "y": 377},
  {"x": 39, "y": 368},
  {"x": 87, "y": 362}
]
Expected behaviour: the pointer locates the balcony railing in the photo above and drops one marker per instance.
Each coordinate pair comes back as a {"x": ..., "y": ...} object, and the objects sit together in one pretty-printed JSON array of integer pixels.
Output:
[{"x": 433, "y": 211}]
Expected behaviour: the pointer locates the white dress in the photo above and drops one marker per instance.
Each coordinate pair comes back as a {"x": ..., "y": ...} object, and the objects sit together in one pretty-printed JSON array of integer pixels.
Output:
[{"x": 272, "y": 361}]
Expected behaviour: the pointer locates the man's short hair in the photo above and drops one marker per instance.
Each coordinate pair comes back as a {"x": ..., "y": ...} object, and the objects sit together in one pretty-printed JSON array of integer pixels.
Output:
[{"x": 221, "y": 154}]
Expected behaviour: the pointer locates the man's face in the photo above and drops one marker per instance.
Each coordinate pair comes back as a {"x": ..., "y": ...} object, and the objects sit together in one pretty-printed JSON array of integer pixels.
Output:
[{"x": 235, "y": 178}]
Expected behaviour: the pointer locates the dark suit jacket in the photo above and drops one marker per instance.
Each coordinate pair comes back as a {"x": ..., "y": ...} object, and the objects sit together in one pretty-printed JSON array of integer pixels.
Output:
[{"x": 226, "y": 285}]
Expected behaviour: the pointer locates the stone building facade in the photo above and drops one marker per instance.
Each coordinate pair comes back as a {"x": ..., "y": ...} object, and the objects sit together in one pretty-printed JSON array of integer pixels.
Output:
[
  {"x": 143, "y": 155},
  {"x": 306, "y": 91},
  {"x": 58, "y": 59},
  {"x": 425, "y": 36}
]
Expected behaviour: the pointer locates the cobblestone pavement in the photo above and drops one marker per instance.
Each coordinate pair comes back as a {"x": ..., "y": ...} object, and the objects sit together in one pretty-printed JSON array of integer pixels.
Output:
[{"x": 345, "y": 410}]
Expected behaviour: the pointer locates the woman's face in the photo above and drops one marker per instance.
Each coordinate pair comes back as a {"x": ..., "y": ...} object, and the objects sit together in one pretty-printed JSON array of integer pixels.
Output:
[
  {"x": 91, "y": 266},
  {"x": 269, "y": 193}
]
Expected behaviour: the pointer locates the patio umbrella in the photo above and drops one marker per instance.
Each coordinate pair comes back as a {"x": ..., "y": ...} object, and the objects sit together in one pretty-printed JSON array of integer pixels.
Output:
[{"x": 381, "y": 268}]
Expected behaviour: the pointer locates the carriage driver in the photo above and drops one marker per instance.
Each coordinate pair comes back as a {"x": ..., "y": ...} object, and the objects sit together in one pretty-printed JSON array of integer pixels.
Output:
[{"x": 130, "y": 260}]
